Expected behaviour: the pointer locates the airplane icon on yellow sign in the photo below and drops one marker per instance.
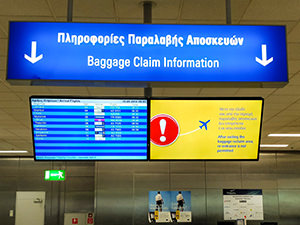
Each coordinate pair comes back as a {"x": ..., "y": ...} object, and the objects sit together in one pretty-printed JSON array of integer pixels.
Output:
[{"x": 204, "y": 124}]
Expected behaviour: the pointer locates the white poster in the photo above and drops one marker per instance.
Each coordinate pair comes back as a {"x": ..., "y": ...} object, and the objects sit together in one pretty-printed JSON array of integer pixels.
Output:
[{"x": 243, "y": 203}]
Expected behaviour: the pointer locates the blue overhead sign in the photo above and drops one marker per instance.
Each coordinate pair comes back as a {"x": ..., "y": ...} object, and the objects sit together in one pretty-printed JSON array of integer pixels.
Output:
[{"x": 146, "y": 53}]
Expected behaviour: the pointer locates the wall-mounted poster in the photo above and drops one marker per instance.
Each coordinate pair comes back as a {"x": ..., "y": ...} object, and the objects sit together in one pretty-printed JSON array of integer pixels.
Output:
[
  {"x": 243, "y": 203},
  {"x": 159, "y": 207},
  {"x": 169, "y": 206},
  {"x": 181, "y": 206}
]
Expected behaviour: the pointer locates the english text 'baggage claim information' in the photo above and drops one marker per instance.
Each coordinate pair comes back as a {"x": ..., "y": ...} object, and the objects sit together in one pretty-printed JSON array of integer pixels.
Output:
[{"x": 146, "y": 53}]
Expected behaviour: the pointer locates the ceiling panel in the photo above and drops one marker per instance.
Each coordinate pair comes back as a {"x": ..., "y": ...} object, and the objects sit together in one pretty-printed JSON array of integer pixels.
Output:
[
  {"x": 204, "y": 22},
  {"x": 134, "y": 92},
  {"x": 23, "y": 133},
  {"x": 293, "y": 66},
  {"x": 290, "y": 89},
  {"x": 252, "y": 92},
  {"x": 21, "y": 7},
  {"x": 75, "y": 91},
  {"x": 24, "y": 96},
  {"x": 295, "y": 107},
  {"x": 129, "y": 9},
  {"x": 59, "y": 7},
  {"x": 294, "y": 51},
  {"x": 104, "y": 91},
  {"x": 165, "y": 10},
  {"x": 93, "y": 20},
  {"x": 2, "y": 33},
  {"x": 204, "y": 10},
  {"x": 294, "y": 123},
  {"x": 3, "y": 63},
  {"x": 183, "y": 92},
  {"x": 238, "y": 8},
  {"x": 28, "y": 89},
  {"x": 4, "y": 20},
  {"x": 273, "y": 10},
  {"x": 5, "y": 133},
  {"x": 8, "y": 123},
  {"x": 269, "y": 113},
  {"x": 279, "y": 120},
  {"x": 289, "y": 112},
  {"x": 5, "y": 145},
  {"x": 93, "y": 8},
  {"x": 286, "y": 100},
  {"x": 11, "y": 104},
  {"x": 288, "y": 24},
  {"x": 219, "y": 92},
  {"x": 21, "y": 144},
  {"x": 294, "y": 34},
  {"x": 3, "y": 47},
  {"x": 164, "y": 21},
  {"x": 156, "y": 92},
  {"x": 295, "y": 79},
  {"x": 288, "y": 130},
  {"x": 3, "y": 87},
  {"x": 8, "y": 96},
  {"x": 129, "y": 20},
  {"x": 16, "y": 110}
]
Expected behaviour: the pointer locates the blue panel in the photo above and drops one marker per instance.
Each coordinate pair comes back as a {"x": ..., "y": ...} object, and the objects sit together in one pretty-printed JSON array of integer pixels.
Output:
[
  {"x": 146, "y": 53},
  {"x": 90, "y": 137}
]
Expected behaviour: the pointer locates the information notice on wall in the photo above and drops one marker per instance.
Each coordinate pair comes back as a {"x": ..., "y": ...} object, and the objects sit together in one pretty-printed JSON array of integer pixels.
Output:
[{"x": 243, "y": 203}]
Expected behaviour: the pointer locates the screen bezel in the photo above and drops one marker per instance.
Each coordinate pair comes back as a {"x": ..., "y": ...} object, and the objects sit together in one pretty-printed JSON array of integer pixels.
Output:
[
  {"x": 210, "y": 98},
  {"x": 92, "y": 98}
]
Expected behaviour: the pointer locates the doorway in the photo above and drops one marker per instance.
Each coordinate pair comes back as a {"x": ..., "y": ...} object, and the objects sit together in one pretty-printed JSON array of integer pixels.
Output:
[{"x": 30, "y": 208}]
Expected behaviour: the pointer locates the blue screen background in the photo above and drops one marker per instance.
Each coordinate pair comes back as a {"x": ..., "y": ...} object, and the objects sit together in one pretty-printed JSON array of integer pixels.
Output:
[{"x": 89, "y": 129}]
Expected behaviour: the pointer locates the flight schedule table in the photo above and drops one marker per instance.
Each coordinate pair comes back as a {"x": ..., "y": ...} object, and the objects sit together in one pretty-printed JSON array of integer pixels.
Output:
[{"x": 89, "y": 129}]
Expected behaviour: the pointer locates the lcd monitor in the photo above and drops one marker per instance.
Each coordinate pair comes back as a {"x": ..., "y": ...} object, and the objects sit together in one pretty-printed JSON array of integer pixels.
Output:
[
  {"x": 205, "y": 129},
  {"x": 66, "y": 128}
]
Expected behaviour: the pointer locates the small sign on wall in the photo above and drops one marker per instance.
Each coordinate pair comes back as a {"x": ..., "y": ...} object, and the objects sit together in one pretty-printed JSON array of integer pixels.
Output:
[
  {"x": 181, "y": 211},
  {"x": 74, "y": 220},
  {"x": 55, "y": 175},
  {"x": 243, "y": 204}
]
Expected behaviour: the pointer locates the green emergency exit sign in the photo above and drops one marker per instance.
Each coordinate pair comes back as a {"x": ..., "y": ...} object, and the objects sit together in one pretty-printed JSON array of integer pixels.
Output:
[{"x": 55, "y": 175}]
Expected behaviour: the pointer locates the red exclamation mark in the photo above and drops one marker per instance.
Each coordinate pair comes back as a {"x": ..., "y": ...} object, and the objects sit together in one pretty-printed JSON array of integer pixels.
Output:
[
  {"x": 158, "y": 133},
  {"x": 163, "y": 124}
]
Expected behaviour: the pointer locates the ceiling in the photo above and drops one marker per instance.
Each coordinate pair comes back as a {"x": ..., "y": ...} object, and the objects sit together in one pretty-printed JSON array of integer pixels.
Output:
[{"x": 282, "y": 105}]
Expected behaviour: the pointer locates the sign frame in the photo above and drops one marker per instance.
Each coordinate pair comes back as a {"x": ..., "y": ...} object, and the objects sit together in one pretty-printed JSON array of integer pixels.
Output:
[
  {"x": 212, "y": 98},
  {"x": 48, "y": 173},
  {"x": 155, "y": 84},
  {"x": 238, "y": 193},
  {"x": 90, "y": 97}
]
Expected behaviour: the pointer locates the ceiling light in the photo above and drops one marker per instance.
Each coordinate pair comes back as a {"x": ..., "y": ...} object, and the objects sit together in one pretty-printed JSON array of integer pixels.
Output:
[
  {"x": 274, "y": 146},
  {"x": 284, "y": 135},
  {"x": 12, "y": 151}
]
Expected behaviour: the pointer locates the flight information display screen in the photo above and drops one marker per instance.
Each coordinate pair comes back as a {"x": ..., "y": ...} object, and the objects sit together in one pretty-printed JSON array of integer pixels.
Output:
[{"x": 89, "y": 129}]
